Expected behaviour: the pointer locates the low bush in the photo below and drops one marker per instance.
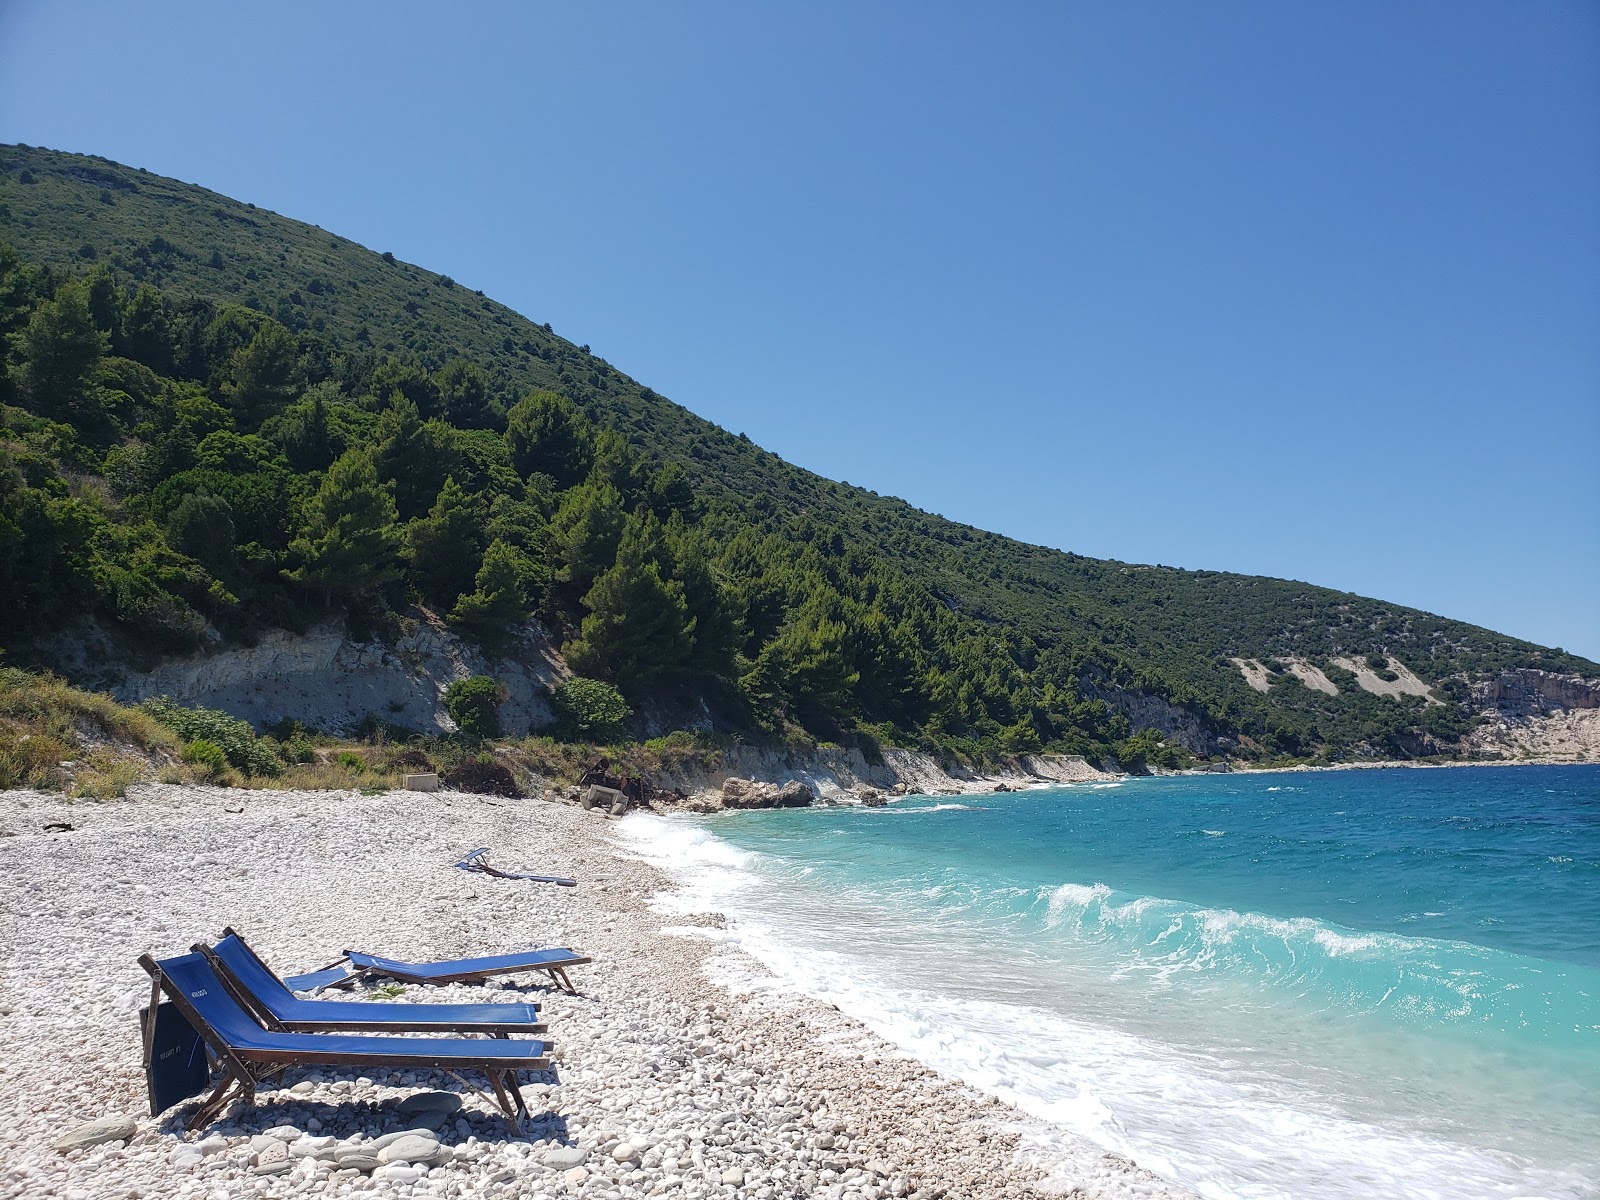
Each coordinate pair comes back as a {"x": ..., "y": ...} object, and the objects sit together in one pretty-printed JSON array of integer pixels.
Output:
[
  {"x": 235, "y": 738},
  {"x": 208, "y": 758}
]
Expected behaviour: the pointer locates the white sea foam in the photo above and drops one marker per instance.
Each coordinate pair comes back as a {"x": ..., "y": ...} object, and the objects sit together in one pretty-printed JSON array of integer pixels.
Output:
[
  {"x": 1192, "y": 1113},
  {"x": 1215, "y": 832},
  {"x": 928, "y": 808}
]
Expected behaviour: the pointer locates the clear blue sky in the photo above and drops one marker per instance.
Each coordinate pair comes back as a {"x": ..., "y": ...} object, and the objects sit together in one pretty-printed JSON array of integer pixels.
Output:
[{"x": 1300, "y": 290}]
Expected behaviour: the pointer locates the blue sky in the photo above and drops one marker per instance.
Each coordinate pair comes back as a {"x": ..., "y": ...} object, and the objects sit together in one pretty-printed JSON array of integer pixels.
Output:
[{"x": 1309, "y": 291}]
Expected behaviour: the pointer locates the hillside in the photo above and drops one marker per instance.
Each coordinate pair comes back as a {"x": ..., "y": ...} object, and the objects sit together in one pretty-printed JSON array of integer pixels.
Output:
[{"x": 221, "y": 421}]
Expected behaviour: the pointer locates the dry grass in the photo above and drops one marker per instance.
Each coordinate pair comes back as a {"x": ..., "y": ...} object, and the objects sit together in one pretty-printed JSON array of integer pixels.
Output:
[{"x": 44, "y": 721}]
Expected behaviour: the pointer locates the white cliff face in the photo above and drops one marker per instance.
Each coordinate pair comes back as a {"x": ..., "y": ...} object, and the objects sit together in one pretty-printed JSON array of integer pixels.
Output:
[
  {"x": 326, "y": 680},
  {"x": 1531, "y": 714}
]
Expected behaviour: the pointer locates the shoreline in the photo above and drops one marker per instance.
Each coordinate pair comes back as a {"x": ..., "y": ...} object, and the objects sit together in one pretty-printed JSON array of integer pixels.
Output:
[{"x": 664, "y": 1083}]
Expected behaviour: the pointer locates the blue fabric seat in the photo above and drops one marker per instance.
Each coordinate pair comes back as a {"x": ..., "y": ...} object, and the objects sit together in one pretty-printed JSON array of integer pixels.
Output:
[
  {"x": 265, "y": 995},
  {"x": 250, "y": 1054},
  {"x": 554, "y": 960}
]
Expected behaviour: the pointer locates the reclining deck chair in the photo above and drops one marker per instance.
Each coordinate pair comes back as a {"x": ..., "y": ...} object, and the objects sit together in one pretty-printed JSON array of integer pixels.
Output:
[
  {"x": 553, "y": 961},
  {"x": 478, "y": 860},
  {"x": 249, "y": 1054},
  {"x": 263, "y": 994}
]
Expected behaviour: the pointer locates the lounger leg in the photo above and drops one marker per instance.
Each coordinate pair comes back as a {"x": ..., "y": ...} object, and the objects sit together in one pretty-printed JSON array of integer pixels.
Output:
[
  {"x": 230, "y": 1089},
  {"x": 500, "y": 1093},
  {"x": 516, "y": 1095},
  {"x": 559, "y": 974}
]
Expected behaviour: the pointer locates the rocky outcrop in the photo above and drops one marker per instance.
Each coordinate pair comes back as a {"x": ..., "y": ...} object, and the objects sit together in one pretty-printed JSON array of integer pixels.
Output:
[
  {"x": 1527, "y": 714},
  {"x": 757, "y": 777},
  {"x": 325, "y": 679},
  {"x": 1525, "y": 692},
  {"x": 750, "y": 793},
  {"x": 1147, "y": 711}
]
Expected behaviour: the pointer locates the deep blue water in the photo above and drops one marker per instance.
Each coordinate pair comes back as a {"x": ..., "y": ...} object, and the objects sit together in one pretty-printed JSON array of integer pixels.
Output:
[{"x": 1365, "y": 983}]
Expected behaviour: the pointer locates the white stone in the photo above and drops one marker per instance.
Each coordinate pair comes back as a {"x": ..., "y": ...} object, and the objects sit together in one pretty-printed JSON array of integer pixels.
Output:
[{"x": 96, "y": 1133}]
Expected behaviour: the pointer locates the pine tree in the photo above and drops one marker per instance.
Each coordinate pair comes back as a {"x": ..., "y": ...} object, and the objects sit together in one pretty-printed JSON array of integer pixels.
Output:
[
  {"x": 443, "y": 549},
  {"x": 463, "y": 394},
  {"x": 584, "y": 533},
  {"x": 146, "y": 335},
  {"x": 500, "y": 598},
  {"x": 60, "y": 348},
  {"x": 638, "y": 629},
  {"x": 202, "y": 527},
  {"x": 350, "y": 541},
  {"x": 548, "y": 436},
  {"x": 264, "y": 375}
]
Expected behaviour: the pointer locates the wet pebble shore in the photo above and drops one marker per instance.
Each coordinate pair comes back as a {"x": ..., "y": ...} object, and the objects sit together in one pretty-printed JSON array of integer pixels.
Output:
[{"x": 663, "y": 1083}]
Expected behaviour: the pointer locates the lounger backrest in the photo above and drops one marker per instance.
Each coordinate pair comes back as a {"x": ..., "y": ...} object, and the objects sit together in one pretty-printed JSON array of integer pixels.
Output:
[
  {"x": 391, "y": 966},
  {"x": 199, "y": 990},
  {"x": 255, "y": 975}
]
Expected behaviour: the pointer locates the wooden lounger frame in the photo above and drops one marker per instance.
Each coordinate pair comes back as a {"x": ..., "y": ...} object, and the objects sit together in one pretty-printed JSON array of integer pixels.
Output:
[
  {"x": 252, "y": 1004},
  {"x": 245, "y": 1070}
]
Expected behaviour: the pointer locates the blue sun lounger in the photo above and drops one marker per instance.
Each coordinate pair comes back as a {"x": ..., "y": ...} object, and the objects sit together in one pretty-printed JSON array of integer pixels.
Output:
[
  {"x": 261, "y": 992},
  {"x": 478, "y": 861},
  {"x": 249, "y": 1055},
  {"x": 553, "y": 961}
]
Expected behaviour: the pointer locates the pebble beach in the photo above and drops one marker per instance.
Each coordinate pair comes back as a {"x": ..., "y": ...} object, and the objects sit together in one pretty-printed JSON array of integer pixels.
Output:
[{"x": 664, "y": 1082}]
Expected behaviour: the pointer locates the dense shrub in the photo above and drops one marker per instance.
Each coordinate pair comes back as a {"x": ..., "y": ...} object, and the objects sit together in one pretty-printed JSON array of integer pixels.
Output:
[
  {"x": 474, "y": 705},
  {"x": 589, "y": 710}
]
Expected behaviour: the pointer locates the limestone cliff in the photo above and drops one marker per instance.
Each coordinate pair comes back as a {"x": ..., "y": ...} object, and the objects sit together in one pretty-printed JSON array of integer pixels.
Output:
[{"x": 328, "y": 680}]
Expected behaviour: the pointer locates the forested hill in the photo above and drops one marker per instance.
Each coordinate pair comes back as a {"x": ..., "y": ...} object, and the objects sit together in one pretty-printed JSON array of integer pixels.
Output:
[{"x": 217, "y": 418}]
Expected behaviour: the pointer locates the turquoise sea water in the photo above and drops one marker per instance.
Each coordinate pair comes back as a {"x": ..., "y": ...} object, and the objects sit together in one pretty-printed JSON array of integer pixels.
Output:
[{"x": 1312, "y": 985}]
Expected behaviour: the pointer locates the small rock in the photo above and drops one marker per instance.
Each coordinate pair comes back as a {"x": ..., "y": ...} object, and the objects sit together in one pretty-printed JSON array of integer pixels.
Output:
[
  {"x": 441, "y": 1104},
  {"x": 563, "y": 1158},
  {"x": 304, "y": 1088},
  {"x": 734, "y": 1176},
  {"x": 390, "y": 1139},
  {"x": 410, "y": 1148},
  {"x": 274, "y": 1159},
  {"x": 284, "y": 1133},
  {"x": 403, "y": 1173},
  {"x": 577, "y": 1177},
  {"x": 626, "y": 1152},
  {"x": 97, "y": 1132},
  {"x": 357, "y": 1162}
]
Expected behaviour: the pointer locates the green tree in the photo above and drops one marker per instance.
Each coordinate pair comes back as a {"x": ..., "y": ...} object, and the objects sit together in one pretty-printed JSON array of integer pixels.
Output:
[
  {"x": 302, "y": 431},
  {"x": 500, "y": 599},
  {"x": 712, "y": 607},
  {"x": 349, "y": 541},
  {"x": 548, "y": 436},
  {"x": 202, "y": 527},
  {"x": 584, "y": 533},
  {"x": 638, "y": 628},
  {"x": 463, "y": 391},
  {"x": 443, "y": 550},
  {"x": 60, "y": 348},
  {"x": 146, "y": 334},
  {"x": 264, "y": 375}
]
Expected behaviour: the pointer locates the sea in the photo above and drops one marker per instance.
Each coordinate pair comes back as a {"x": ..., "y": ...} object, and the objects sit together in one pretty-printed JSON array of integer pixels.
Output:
[{"x": 1377, "y": 984}]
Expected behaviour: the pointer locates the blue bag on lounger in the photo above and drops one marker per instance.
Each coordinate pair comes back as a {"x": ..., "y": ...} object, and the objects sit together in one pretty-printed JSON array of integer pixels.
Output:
[{"x": 175, "y": 1062}]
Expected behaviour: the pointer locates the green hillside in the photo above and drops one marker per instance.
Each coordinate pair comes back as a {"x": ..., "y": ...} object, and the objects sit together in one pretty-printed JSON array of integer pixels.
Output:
[{"x": 218, "y": 418}]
